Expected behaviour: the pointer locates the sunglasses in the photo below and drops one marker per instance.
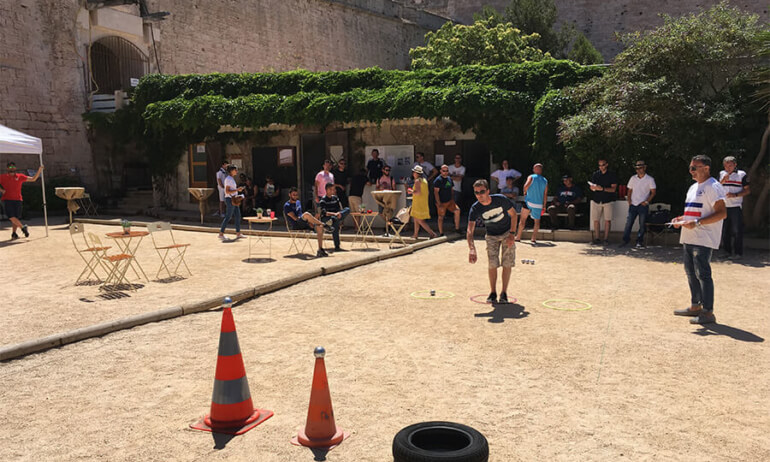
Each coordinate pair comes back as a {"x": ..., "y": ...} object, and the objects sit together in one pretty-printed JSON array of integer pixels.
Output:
[
  {"x": 11, "y": 168},
  {"x": 602, "y": 165},
  {"x": 479, "y": 192},
  {"x": 640, "y": 166},
  {"x": 695, "y": 167}
]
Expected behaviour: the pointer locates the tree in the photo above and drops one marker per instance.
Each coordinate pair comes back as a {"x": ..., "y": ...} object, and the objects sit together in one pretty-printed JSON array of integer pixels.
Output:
[
  {"x": 676, "y": 91},
  {"x": 583, "y": 52},
  {"x": 483, "y": 42}
]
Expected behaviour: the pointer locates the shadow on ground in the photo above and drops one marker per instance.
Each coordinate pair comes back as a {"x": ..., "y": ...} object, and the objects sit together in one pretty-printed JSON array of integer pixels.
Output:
[
  {"x": 732, "y": 332},
  {"x": 753, "y": 258},
  {"x": 502, "y": 311}
]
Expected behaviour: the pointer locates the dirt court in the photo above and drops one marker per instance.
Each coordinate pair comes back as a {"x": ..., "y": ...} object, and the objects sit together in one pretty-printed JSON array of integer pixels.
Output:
[{"x": 625, "y": 380}]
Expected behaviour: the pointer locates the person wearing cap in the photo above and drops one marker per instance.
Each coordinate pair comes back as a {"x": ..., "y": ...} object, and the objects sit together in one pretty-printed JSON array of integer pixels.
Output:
[
  {"x": 736, "y": 184},
  {"x": 641, "y": 190},
  {"x": 420, "y": 210},
  {"x": 10, "y": 191},
  {"x": 701, "y": 223},
  {"x": 566, "y": 200},
  {"x": 500, "y": 175},
  {"x": 535, "y": 195}
]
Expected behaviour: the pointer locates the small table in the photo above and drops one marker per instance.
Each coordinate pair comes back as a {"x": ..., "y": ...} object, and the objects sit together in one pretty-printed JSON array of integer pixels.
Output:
[
  {"x": 123, "y": 241},
  {"x": 388, "y": 200},
  {"x": 263, "y": 239},
  {"x": 364, "y": 228},
  {"x": 201, "y": 194},
  {"x": 71, "y": 194}
]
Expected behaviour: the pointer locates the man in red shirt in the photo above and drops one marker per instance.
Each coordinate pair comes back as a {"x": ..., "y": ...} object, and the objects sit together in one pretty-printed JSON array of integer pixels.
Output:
[{"x": 10, "y": 189}]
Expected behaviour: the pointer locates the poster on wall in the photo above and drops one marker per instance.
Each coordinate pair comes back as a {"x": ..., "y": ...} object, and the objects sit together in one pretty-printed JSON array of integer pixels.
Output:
[
  {"x": 400, "y": 157},
  {"x": 286, "y": 157}
]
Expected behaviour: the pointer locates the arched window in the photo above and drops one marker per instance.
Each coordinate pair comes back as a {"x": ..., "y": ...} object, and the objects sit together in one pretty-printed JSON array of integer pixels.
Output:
[{"x": 114, "y": 62}]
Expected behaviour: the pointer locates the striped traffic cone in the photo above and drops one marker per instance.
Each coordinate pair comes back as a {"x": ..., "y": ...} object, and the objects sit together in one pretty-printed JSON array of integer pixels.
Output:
[
  {"x": 320, "y": 429},
  {"x": 232, "y": 411}
]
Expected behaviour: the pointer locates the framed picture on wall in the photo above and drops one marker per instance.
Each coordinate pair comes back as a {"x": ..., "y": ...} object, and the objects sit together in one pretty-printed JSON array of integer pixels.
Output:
[{"x": 286, "y": 156}]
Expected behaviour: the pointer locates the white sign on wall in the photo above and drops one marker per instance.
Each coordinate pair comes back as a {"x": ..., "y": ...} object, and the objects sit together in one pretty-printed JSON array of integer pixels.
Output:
[{"x": 400, "y": 157}]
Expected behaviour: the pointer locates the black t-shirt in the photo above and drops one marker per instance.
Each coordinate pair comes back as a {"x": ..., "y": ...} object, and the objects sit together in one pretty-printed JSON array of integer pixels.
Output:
[
  {"x": 341, "y": 177},
  {"x": 604, "y": 180},
  {"x": 357, "y": 185},
  {"x": 374, "y": 167},
  {"x": 495, "y": 215},
  {"x": 444, "y": 186}
]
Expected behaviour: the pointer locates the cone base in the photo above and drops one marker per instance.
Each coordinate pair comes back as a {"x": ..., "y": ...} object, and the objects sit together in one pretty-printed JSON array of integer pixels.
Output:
[
  {"x": 327, "y": 443},
  {"x": 259, "y": 416}
]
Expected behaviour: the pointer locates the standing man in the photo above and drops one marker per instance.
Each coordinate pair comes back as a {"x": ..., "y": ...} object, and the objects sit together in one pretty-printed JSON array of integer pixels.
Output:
[
  {"x": 604, "y": 184},
  {"x": 566, "y": 200},
  {"x": 535, "y": 196},
  {"x": 429, "y": 172},
  {"x": 641, "y": 190},
  {"x": 457, "y": 173},
  {"x": 333, "y": 214},
  {"x": 704, "y": 209},
  {"x": 499, "y": 218},
  {"x": 736, "y": 185},
  {"x": 322, "y": 178},
  {"x": 374, "y": 167},
  {"x": 231, "y": 190},
  {"x": 10, "y": 190},
  {"x": 221, "y": 176},
  {"x": 341, "y": 180},
  {"x": 443, "y": 188}
]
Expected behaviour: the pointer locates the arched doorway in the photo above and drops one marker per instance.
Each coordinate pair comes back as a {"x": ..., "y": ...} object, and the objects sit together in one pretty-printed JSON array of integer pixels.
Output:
[{"x": 114, "y": 62}]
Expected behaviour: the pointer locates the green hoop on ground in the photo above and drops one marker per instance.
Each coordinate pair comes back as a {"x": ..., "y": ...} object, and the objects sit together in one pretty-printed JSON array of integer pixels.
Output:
[
  {"x": 586, "y": 306},
  {"x": 425, "y": 295},
  {"x": 483, "y": 300}
]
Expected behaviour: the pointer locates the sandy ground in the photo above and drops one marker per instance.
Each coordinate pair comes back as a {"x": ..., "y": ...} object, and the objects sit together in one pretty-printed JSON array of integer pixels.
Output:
[
  {"x": 625, "y": 380},
  {"x": 41, "y": 297}
]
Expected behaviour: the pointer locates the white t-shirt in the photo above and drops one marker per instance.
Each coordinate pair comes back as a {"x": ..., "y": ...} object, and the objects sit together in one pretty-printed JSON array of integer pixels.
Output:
[
  {"x": 501, "y": 175},
  {"x": 427, "y": 167},
  {"x": 738, "y": 179},
  {"x": 321, "y": 180},
  {"x": 699, "y": 203},
  {"x": 230, "y": 181},
  {"x": 640, "y": 188},
  {"x": 457, "y": 171}
]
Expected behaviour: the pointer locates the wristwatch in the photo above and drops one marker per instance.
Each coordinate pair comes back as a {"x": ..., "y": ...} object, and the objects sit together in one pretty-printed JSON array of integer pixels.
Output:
[{"x": 697, "y": 222}]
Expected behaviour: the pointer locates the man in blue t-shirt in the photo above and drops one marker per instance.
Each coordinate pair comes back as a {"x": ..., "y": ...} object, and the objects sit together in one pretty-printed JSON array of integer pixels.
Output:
[
  {"x": 566, "y": 200},
  {"x": 297, "y": 220},
  {"x": 444, "y": 197},
  {"x": 499, "y": 218}
]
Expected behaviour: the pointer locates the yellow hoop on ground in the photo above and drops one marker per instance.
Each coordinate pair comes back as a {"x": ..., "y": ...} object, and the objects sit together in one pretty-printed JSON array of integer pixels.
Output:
[
  {"x": 425, "y": 295},
  {"x": 586, "y": 306}
]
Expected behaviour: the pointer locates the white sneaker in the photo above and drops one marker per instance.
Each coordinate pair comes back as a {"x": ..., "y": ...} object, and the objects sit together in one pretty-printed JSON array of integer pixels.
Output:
[{"x": 222, "y": 237}]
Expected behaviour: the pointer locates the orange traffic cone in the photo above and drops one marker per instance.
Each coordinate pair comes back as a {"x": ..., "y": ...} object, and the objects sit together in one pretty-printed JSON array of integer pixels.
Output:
[
  {"x": 320, "y": 429},
  {"x": 232, "y": 411}
]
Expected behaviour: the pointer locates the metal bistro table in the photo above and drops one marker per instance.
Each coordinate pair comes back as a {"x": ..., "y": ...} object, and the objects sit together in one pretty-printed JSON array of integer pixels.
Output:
[
  {"x": 124, "y": 243},
  {"x": 201, "y": 194},
  {"x": 71, "y": 194},
  {"x": 388, "y": 199},
  {"x": 264, "y": 239},
  {"x": 364, "y": 228}
]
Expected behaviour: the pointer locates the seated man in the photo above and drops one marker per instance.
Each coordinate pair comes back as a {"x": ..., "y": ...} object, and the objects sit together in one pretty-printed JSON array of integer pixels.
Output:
[
  {"x": 299, "y": 220},
  {"x": 565, "y": 201},
  {"x": 332, "y": 213}
]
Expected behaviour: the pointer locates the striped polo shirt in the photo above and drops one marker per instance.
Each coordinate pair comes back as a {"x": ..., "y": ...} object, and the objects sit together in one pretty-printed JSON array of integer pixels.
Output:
[{"x": 734, "y": 183}]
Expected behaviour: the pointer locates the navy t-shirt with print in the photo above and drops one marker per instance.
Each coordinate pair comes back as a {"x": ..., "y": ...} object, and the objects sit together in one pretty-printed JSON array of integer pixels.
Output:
[
  {"x": 296, "y": 208},
  {"x": 444, "y": 186},
  {"x": 495, "y": 215}
]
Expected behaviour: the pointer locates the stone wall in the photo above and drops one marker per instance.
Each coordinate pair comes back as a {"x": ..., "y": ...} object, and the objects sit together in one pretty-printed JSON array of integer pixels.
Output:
[{"x": 598, "y": 19}]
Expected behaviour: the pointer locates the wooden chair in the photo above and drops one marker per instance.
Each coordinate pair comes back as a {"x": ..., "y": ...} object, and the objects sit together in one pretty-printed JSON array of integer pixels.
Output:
[
  {"x": 91, "y": 255},
  {"x": 170, "y": 252},
  {"x": 298, "y": 236}
]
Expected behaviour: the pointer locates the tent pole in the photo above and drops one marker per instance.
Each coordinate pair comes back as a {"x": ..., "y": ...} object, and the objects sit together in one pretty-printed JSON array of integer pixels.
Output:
[{"x": 45, "y": 206}]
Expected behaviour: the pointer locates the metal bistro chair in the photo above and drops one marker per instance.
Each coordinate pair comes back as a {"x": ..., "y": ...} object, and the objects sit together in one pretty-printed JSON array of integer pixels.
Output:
[
  {"x": 165, "y": 246},
  {"x": 118, "y": 265},
  {"x": 295, "y": 235},
  {"x": 403, "y": 219},
  {"x": 94, "y": 261},
  {"x": 89, "y": 207}
]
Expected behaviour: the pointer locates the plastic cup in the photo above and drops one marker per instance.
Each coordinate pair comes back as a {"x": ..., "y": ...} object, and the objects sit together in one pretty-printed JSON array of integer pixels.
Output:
[
  {"x": 272, "y": 214},
  {"x": 369, "y": 211}
]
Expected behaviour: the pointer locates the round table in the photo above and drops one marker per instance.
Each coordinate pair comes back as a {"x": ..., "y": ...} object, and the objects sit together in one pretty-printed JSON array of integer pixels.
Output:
[
  {"x": 201, "y": 194},
  {"x": 388, "y": 200},
  {"x": 70, "y": 194}
]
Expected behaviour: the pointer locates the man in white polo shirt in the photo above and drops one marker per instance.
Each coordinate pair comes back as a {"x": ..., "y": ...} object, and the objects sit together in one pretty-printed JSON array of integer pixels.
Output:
[
  {"x": 641, "y": 190},
  {"x": 736, "y": 184},
  {"x": 704, "y": 210}
]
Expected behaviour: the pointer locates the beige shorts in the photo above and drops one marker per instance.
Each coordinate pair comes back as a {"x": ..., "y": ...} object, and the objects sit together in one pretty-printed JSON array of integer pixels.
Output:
[
  {"x": 495, "y": 247},
  {"x": 601, "y": 210},
  {"x": 355, "y": 203}
]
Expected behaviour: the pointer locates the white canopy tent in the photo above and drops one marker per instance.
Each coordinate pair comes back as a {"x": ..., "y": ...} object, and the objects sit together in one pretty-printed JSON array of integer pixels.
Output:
[{"x": 16, "y": 142}]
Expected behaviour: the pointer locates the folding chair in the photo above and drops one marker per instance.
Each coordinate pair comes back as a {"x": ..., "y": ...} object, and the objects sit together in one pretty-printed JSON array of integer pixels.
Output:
[
  {"x": 302, "y": 235},
  {"x": 659, "y": 214},
  {"x": 165, "y": 246},
  {"x": 94, "y": 261},
  {"x": 117, "y": 266},
  {"x": 397, "y": 224},
  {"x": 88, "y": 206}
]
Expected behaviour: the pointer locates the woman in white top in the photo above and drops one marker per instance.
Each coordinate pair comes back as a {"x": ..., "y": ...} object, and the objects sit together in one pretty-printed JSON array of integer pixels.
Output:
[
  {"x": 504, "y": 172},
  {"x": 231, "y": 190}
]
